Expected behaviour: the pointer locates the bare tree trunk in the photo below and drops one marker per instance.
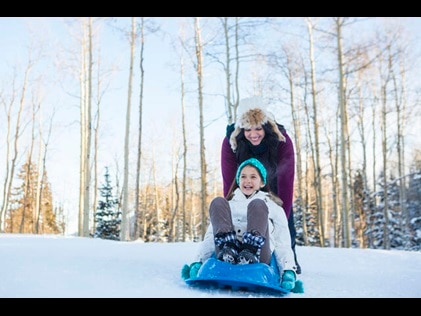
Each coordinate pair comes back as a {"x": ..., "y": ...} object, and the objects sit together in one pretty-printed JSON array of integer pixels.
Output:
[
  {"x": 400, "y": 103},
  {"x": 384, "y": 90},
  {"x": 175, "y": 198},
  {"x": 344, "y": 138},
  {"x": 199, "y": 72},
  {"x": 361, "y": 127},
  {"x": 361, "y": 226},
  {"x": 350, "y": 174},
  {"x": 317, "y": 175},
  {"x": 138, "y": 219},
  {"x": 87, "y": 205},
  {"x": 402, "y": 156},
  {"x": 333, "y": 162},
  {"x": 232, "y": 101},
  {"x": 41, "y": 172},
  {"x": 297, "y": 141},
  {"x": 309, "y": 185},
  {"x": 229, "y": 107},
  {"x": 339, "y": 226},
  {"x": 83, "y": 131},
  {"x": 236, "y": 101},
  {"x": 157, "y": 198},
  {"x": 95, "y": 158},
  {"x": 145, "y": 218},
  {"x": 96, "y": 147},
  {"x": 374, "y": 155},
  {"x": 41, "y": 167},
  {"x": 124, "y": 234},
  {"x": 86, "y": 96},
  {"x": 374, "y": 118},
  {"x": 28, "y": 186},
  {"x": 26, "y": 197},
  {"x": 183, "y": 127},
  {"x": 384, "y": 155}
]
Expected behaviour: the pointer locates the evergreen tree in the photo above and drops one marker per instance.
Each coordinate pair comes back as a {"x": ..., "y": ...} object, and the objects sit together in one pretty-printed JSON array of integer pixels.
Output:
[
  {"x": 376, "y": 218},
  {"x": 299, "y": 222},
  {"x": 361, "y": 210},
  {"x": 414, "y": 206},
  {"x": 396, "y": 222},
  {"x": 108, "y": 215},
  {"x": 394, "y": 228},
  {"x": 22, "y": 217}
]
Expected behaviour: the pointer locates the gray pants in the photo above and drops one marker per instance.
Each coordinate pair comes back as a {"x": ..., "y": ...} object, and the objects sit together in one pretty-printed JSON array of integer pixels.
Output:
[{"x": 257, "y": 219}]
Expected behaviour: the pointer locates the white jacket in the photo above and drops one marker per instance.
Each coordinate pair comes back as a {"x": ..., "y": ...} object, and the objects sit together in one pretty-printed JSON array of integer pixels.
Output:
[{"x": 280, "y": 239}]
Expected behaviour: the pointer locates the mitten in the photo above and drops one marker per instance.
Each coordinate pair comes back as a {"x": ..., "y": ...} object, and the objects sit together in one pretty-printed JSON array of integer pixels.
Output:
[
  {"x": 288, "y": 280},
  {"x": 190, "y": 271}
]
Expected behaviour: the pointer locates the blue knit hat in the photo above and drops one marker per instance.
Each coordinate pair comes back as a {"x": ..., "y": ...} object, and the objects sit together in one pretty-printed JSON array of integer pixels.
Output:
[{"x": 255, "y": 163}]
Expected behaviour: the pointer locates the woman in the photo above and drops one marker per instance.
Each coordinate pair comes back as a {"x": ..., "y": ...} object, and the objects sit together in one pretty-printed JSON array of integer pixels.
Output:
[
  {"x": 256, "y": 134},
  {"x": 249, "y": 226}
]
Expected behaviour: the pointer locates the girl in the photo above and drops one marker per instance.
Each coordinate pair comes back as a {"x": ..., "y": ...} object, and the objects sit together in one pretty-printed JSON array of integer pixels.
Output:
[{"x": 249, "y": 226}]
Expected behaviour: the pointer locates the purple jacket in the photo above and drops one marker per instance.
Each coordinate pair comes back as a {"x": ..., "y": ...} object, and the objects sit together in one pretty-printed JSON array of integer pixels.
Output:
[{"x": 285, "y": 173}]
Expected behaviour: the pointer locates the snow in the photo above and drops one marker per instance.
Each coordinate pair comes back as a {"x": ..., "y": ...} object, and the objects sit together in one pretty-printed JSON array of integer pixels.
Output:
[{"x": 48, "y": 266}]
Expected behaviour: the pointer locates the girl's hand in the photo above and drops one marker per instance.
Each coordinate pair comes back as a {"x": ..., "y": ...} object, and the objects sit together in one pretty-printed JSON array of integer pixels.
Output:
[
  {"x": 288, "y": 280},
  {"x": 190, "y": 271}
]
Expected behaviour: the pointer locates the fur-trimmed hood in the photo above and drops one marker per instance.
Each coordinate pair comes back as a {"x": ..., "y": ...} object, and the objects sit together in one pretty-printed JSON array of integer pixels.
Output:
[{"x": 252, "y": 114}]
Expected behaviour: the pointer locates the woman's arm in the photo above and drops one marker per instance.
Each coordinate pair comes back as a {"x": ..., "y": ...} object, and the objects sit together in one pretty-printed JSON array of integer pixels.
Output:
[
  {"x": 286, "y": 173},
  {"x": 228, "y": 165}
]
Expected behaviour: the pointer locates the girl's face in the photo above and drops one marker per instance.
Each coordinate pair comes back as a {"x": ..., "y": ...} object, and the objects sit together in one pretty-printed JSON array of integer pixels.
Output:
[
  {"x": 255, "y": 134},
  {"x": 250, "y": 180}
]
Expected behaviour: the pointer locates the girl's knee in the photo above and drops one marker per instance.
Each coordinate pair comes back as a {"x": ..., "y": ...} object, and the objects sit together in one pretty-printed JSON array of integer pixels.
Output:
[
  {"x": 219, "y": 200},
  {"x": 219, "y": 203},
  {"x": 258, "y": 205}
]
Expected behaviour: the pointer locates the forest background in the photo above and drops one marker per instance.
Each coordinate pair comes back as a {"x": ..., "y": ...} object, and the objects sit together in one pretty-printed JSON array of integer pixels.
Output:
[{"x": 128, "y": 115}]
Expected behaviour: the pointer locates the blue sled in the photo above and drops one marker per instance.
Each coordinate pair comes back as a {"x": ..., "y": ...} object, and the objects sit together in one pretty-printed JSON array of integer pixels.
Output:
[{"x": 257, "y": 277}]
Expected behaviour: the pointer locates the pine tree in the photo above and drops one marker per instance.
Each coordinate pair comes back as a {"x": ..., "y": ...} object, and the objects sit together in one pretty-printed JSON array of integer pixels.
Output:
[
  {"x": 394, "y": 220},
  {"x": 108, "y": 215},
  {"x": 414, "y": 205},
  {"x": 22, "y": 217},
  {"x": 376, "y": 217},
  {"x": 361, "y": 210}
]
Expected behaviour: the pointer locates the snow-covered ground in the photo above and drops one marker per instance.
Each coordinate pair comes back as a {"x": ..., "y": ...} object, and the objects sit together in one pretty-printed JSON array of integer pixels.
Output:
[{"x": 48, "y": 266}]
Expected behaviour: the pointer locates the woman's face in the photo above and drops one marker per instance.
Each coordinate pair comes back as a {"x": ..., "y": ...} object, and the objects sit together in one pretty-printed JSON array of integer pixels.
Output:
[
  {"x": 250, "y": 180},
  {"x": 255, "y": 134}
]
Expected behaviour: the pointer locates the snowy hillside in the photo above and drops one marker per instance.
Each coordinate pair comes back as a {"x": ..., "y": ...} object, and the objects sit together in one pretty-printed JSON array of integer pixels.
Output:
[{"x": 69, "y": 267}]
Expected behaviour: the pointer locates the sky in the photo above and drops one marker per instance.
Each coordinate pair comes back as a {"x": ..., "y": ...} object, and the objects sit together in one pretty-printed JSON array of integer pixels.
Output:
[
  {"x": 55, "y": 38},
  {"x": 49, "y": 266}
]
